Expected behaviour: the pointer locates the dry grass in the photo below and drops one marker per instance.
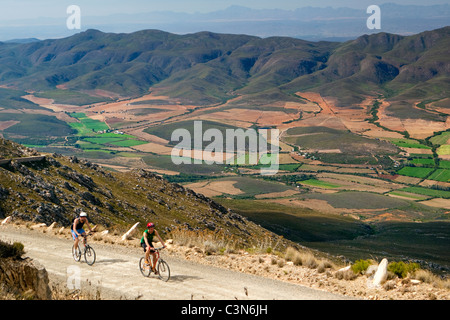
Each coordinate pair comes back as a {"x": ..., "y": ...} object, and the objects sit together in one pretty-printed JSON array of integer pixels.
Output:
[
  {"x": 208, "y": 241},
  {"x": 428, "y": 277},
  {"x": 307, "y": 259}
]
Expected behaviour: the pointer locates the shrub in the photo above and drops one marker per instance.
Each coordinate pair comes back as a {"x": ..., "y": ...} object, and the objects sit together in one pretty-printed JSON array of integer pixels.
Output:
[
  {"x": 7, "y": 250},
  {"x": 360, "y": 266},
  {"x": 294, "y": 255},
  {"x": 345, "y": 275},
  {"x": 303, "y": 258},
  {"x": 401, "y": 269}
]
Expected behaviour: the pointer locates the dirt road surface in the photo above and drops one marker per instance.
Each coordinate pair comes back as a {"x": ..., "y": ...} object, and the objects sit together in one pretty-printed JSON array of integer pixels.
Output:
[{"x": 116, "y": 275}]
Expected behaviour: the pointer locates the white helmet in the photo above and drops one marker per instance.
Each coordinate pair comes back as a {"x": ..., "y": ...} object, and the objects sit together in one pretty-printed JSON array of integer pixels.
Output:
[{"x": 83, "y": 214}]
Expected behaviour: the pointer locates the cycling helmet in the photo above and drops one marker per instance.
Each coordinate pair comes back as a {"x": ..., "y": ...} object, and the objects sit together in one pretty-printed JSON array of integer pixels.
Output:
[
  {"x": 83, "y": 214},
  {"x": 150, "y": 225}
]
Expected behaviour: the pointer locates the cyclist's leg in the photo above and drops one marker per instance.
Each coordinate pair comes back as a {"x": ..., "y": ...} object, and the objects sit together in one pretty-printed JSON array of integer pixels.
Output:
[
  {"x": 147, "y": 252},
  {"x": 154, "y": 258},
  {"x": 75, "y": 238},
  {"x": 83, "y": 233}
]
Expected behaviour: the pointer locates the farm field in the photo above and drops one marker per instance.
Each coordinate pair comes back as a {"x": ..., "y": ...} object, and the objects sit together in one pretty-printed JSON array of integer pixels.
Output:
[
  {"x": 417, "y": 172},
  {"x": 328, "y": 159}
]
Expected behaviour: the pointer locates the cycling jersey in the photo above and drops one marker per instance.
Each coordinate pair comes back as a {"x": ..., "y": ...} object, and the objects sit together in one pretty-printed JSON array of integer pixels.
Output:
[
  {"x": 149, "y": 237},
  {"x": 79, "y": 225}
]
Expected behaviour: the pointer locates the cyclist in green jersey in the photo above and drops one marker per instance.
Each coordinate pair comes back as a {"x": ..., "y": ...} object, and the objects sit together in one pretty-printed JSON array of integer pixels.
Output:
[{"x": 146, "y": 243}]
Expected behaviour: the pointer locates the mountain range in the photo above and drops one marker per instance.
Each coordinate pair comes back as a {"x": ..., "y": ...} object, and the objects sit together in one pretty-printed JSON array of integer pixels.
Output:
[
  {"x": 311, "y": 23},
  {"x": 209, "y": 68}
]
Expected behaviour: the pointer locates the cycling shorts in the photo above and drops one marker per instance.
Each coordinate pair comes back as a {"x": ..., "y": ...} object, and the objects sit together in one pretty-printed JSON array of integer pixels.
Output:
[
  {"x": 144, "y": 245},
  {"x": 74, "y": 235}
]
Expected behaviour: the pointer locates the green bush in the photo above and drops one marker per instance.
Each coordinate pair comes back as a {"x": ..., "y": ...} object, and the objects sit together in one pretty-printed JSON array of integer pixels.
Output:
[
  {"x": 360, "y": 266},
  {"x": 7, "y": 250},
  {"x": 401, "y": 269}
]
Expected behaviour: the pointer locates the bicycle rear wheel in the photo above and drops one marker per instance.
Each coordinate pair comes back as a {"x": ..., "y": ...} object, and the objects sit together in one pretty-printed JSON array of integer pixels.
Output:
[
  {"x": 163, "y": 270},
  {"x": 76, "y": 253},
  {"x": 89, "y": 255},
  {"x": 145, "y": 268}
]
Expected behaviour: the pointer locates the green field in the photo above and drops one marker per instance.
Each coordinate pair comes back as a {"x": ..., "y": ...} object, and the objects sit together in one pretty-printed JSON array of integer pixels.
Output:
[
  {"x": 440, "y": 175},
  {"x": 412, "y": 196},
  {"x": 408, "y": 143},
  {"x": 441, "y": 139},
  {"x": 443, "y": 150},
  {"x": 435, "y": 193},
  {"x": 319, "y": 183},
  {"x": 90, "y": 138},
  {"x": 445, "y": 164},
  {"x": 423, "y": 162},
  {"x": 417, "y": 172},
  {"x": 87, "y": 126}
]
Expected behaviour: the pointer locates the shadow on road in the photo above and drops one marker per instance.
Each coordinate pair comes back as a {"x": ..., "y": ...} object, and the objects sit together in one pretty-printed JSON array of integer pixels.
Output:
[
  {"x": 182, "y": 278},
  {"x": 110, "y": 261}
]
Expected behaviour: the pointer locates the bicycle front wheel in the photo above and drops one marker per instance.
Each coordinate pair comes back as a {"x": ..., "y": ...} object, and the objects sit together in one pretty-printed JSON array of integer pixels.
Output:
[
  {"x": 89, "y": 255},
  {"x": 163, "y": 270},
  {"x": 76, "y": 253},
  {"x": 144, "y": 267}
]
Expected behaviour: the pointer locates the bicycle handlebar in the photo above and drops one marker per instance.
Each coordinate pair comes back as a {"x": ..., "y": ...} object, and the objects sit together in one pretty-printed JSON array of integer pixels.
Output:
[{"x": 87, "y": 234}]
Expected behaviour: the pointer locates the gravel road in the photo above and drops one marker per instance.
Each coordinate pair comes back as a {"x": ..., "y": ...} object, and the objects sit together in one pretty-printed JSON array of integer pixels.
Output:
[{"x": 116, "y": 275}]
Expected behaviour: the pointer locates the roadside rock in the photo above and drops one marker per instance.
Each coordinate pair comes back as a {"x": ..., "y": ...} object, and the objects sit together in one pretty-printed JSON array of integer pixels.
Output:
[
  {"x": 381, "y": 274},
  {"x": 25, "y": 277}
]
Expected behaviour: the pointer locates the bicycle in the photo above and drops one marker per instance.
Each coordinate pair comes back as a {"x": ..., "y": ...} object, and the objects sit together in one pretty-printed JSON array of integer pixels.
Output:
[
  {"x": 89, "y": 253},
  {"x": 162, "y": 267}
]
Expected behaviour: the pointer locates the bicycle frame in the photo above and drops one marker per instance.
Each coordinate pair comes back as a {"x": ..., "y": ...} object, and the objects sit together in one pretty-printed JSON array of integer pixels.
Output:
[
  {"x": 87, "y": 252},
  {"x": 161, "y": 266}
]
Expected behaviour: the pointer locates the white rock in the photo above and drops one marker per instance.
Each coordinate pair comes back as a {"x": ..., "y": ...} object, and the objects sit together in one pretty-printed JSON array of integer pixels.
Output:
[
  {"x": 381, "y": 274},
  {"x": 371, "y": 269},
  {"x": 6, "y": 220},
  {"x": 130, "y": 232},
  {"x": 52, "y": 226},
  {"x": 345, "y": 268}
]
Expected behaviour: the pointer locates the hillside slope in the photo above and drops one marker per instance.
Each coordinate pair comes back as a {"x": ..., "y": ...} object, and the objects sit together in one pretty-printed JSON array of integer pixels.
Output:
[
  {"x": 208, "y": 68},
  {"x": 56, "y": 188}
]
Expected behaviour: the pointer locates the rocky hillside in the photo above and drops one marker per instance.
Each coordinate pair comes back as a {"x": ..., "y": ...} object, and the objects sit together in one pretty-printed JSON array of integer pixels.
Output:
[{"x": 55, "y": 188}]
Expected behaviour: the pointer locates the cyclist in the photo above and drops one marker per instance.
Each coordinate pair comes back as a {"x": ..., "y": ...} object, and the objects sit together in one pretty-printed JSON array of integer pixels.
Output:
[
  {"x": 146, "y": 243},
  {"x": 77, "y": 228}
]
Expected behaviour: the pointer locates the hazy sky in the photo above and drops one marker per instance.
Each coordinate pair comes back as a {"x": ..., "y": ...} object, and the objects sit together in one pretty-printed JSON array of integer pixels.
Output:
[{"x": 29, "y": 9}]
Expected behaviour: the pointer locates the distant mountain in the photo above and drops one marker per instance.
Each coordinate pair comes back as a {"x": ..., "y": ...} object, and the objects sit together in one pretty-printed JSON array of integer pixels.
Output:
[
  {"x": 309, "y": 23},
  {"x": 208, "y": 68},
  {"x": 26, "y": 40}
]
